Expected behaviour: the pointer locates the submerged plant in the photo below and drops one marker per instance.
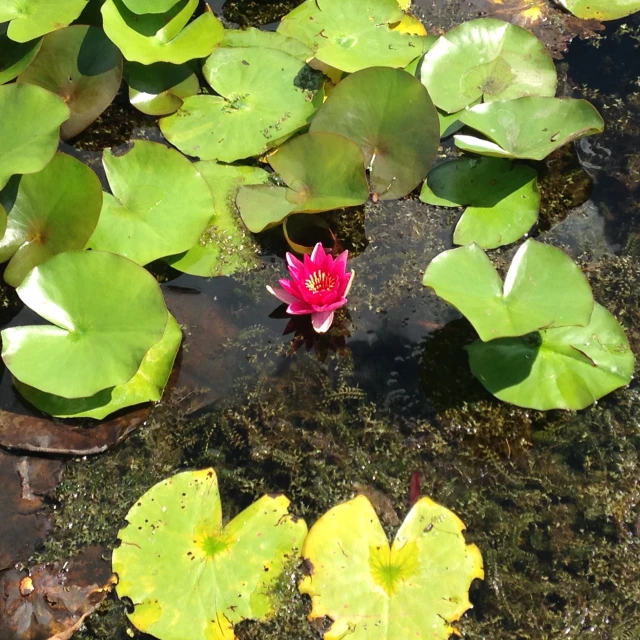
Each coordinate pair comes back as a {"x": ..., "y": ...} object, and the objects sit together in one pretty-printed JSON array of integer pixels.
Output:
[{"x": 320, "y": 285}]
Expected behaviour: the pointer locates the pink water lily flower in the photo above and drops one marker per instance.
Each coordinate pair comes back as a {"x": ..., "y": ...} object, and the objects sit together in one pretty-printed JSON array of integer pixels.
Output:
[{"x": 320, "y": 286}]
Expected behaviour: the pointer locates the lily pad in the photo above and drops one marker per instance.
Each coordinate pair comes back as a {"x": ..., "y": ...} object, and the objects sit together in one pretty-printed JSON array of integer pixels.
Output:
[
  {"x": 160, "y": 89},
  {"x": 252, "y": 37},
  {"x": 323, "y": 171},
  {"x": 82, "y": 66},
  {"x": 414, "y": 588},
  {"x": 15, "y": 57},
  {"x": 529, "y": 128},
  {"x": 34, "y": 18},
  {"x": 389, "y": 114},
  {"x": 264, "y": 206},
  {"x": 487, "y": 59},
  {"x": 29, "y": 128},
  {"x": 159, "y": 207},
  {"x": 265, "y": 96},
  {"x": 567, "y": 368},
  {"x": 52, "y": 211},
  {"x": 544, "y": 288},
  {"x": 225, "y": 247},
  {"x": 146, "y": 385},
  {"x": 353, "y": 34},
  {"x": 503, "y": 198},
  {"x": 106, "y": 313},
  {"x": 303, "y": 232},
  {"x": 184, "y": 570},
  {"x": 150, "y": 6},
  {"x": 162, "y": 37},
  {"x": 601, "y": 9}
]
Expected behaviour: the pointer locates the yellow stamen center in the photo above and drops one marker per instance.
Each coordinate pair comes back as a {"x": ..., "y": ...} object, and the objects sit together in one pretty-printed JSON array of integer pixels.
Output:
[{"x": 319, "y": 281}]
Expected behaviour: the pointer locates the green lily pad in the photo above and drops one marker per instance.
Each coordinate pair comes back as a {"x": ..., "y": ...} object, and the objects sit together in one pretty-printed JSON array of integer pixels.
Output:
[
  {"x": 184, "y": 570},
  {"x": 82, "y": 66},
  {"x": 253, "y": 37},
  {"x": 150, "y": 6},
  {"x": 487, "y": 59},
  {"x": 106, "y": 313},
  {"x": 503, "y": 198},
  {"x": 29, "y": 128},
  {"x": 146, "y": 385},
  {"x": 225, "y": 247},
  {"x": 353, "y": 34},
  {"x": 263, "y": 206},
  {"x": 34, "y": 18},
  {"x": 323, "y": 171},
  {"x": 389, "y": 114},
  {"x": 160, "y": 89},
  {"x": 265, "y": 96},
  {"x": 52, "y": 211},
  {"x": 414, "y": 588},
  {"x": 529, "y": 128},
  {"x": 567, "y": 368},
  {"x": 162, "y": 37},
  {"x": 159, "y": 207},
  {"x": 601, "y": 9},
  {"x": 15, "y": 57},
  {"x": 544, "y": 288},
  {"x": 303, "y": 232}
]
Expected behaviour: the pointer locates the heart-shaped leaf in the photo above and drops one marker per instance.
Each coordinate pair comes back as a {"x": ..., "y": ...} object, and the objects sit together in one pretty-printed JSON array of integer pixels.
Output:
[
  {"x": 106, "y": 313},
  {"x": 162, "y": 37},
  {"x": 146, "y": 385},
  {"x": 15, "y": 57},
  {"x": 503, "y": 198},
  {"x": 323, "y": 171},
  {"x": 34, "y": 18},
  {"x": 530, "y": 128},
  {"x": 566, "y": 368},
  {"x": 29, "y": 128},
  {"x": 372, "y": 591},
  {"x": 265, "y": 96},
  {"x": 389, "y": 114},
  {"x": 353, "y": 34},
  {"x": 487, "y": 59},
  {"x": 159, "y": 207},
  {"x": 150, "y": 6},
  {"x": 601, "y": 9},
  {"x": 544, "y": 288},
  {"x": 225, "y": 247},
  {"x": 184, "y": 570},
  {"x": 160, "y": 89},
  {"x": 82, "y": 66},
  {"x": 52, "y": 211},
  {"x": 252, "y": 37}
]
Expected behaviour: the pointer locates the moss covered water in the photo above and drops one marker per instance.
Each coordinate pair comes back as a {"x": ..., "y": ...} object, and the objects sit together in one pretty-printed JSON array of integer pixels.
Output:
[{"x": 552, "y": 499}]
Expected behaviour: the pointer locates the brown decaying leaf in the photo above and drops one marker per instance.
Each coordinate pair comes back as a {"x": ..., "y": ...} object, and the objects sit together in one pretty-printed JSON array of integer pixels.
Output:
[
  {"x": 51, "y": 601},
  {"x": 25, "y": 481},
  {"x": 42, "y": 435}
]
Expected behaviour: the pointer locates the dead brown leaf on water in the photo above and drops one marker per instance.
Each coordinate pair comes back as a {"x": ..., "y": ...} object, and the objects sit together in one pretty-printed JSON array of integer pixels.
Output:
[
  {"x": 24, "y": 482},
  {"x": 43, "y": 435},
  {"x": 51, "y": 601}
]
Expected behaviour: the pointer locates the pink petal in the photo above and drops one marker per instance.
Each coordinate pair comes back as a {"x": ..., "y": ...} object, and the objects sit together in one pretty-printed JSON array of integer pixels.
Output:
[
  {"x": 351, "y": 275},
  {"x": 318, "y": 253},
  {"x": 295, "y": 266},
  {"x": 332, "y": 306},
  {"x": 291, "y": 287},
  {"x": 299, "y": 308},
  {"x": 321, "y": 321},
  {"x": 282, "y": 295},
  {"x": 341, "y": 260}
]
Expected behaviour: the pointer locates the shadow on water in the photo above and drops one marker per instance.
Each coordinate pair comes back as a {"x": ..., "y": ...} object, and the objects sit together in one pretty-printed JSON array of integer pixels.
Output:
[{"x": 552, "y": 499}]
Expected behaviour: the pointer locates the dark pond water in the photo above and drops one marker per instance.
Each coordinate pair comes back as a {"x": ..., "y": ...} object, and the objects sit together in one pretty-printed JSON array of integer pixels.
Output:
[{"x": 552, "y": 499}]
